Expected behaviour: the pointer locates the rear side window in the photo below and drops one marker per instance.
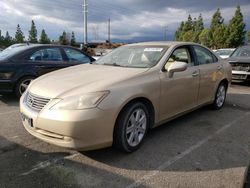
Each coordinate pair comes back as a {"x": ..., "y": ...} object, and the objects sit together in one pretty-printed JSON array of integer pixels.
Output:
[
  {"x": 47, "y": 54},
  {"x": 204, "y": 56},
  {"x": 76, "y": 56}
]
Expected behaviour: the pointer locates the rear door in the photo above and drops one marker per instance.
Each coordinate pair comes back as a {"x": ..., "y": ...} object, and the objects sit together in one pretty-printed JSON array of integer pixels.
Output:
[
  {"x": 211, "y": 73},
  {"x": 179, "y": 93}
]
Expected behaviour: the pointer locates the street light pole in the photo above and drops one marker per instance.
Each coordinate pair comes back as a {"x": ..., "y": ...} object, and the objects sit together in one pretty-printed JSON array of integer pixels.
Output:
[{"x": 85, "y": 20}]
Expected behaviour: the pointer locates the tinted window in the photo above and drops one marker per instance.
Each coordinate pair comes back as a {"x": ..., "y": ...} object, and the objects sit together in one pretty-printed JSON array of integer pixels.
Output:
[
  {"x": 48, "y": 54},
  {"x": 76, "y": 56},
  {"x": 204, "y": 56}
]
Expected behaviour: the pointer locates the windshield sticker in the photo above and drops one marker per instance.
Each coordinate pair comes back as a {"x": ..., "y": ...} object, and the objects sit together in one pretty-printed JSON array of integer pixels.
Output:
[{"x": 153, "y": 49}]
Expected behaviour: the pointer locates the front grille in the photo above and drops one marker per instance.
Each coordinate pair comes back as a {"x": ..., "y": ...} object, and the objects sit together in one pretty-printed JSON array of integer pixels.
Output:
[
  {"x": 240, "y": 67},
  {"x": 35, "y": 102}
]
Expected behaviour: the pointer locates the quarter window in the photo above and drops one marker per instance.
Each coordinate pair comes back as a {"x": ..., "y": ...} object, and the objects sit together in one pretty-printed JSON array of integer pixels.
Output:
[
  {"x": 48, "y": 54},
  {"x": 204, "y": 56},
  {"x": 76, "y": 56}
]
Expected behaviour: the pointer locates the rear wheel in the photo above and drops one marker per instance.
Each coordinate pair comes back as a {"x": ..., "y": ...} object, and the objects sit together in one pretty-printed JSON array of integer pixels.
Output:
[
  {"x": 131, "y": 127},
  {"x": 220, "y": 96},
  {"x": 22, "y": 85}
]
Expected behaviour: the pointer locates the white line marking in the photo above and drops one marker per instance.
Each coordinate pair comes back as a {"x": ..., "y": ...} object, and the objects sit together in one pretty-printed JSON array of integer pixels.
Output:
[
  {"x": 47, "y": 163},
  {"x": 183, "y": 154},
  {"x": 10, "y": 112}
]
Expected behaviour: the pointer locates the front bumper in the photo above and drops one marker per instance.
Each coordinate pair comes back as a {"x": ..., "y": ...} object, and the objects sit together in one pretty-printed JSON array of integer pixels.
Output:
[
  {"x": 240, "y": 75},
  {"x": 74, "y": 129}
]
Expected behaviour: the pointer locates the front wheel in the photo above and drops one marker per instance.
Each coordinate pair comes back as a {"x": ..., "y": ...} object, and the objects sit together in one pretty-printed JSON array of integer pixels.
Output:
[
  {"x": 131, "y": 127},
  {"x": 22, "y": 85},
  {"x": 220, "y": 96}
]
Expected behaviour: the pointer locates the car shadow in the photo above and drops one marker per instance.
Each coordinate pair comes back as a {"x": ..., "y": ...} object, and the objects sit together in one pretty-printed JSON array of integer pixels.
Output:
[
  {"x": 9, "y": 99},
  {"x": 240, "y": 83},
  {"x": 169, "y": 141},
  {"x": 23, "y": 167}
]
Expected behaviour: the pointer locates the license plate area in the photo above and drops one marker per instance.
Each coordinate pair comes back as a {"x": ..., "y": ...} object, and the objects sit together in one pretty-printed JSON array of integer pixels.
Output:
[{"x": 27, "y": 120}]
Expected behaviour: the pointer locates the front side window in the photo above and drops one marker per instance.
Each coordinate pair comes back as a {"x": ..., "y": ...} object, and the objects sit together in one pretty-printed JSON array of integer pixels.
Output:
[
  {"x": 180, "y": 54},
  {"x": 133, "y": 56},
  {"x": 76, "y": 56},
  {"x": 204, "y": 56},
  {"x": 48, "y": 54}
]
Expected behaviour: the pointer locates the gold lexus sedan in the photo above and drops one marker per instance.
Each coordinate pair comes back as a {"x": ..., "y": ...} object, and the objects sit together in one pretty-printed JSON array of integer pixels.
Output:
[{"x": 117, "y": 99}]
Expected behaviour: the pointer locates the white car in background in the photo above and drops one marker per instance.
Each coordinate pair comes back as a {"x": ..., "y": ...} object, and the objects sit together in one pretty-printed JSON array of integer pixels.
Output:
[{"x": 224, "y": 53}]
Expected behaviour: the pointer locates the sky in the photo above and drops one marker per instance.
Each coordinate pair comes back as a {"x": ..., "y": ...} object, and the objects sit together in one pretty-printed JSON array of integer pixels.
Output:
[{"x": 131, "y": 20}]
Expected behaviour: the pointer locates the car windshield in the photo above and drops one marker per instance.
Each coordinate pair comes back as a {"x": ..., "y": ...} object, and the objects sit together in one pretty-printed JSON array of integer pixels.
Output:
[
  {"x": 224, "y": 52},
  {"x": 9, "y": 52},
  {"x": 241, "y": 52},
  {"x": 133, "y": 56}
]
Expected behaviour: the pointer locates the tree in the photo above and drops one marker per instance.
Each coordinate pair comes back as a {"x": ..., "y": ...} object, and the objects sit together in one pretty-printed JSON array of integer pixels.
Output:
[
  {"x": 216, "y": 24},
  {"x": 33, "y": 33},
  {"x": 63, "y": 39},
  {"x": 188, "y": 25},
  {"x": 205, "y": 37},
  {"x": 19, "y": 37},
  {"x": 7, "y": 40},
  {"x": 187, "y": 33},
  {"x": 178, "y": 33},
  {"x": 220, "y": 36},
  {"x": 1, "y": 38},
  {"x": 188, "y": 36},
  {"x": 236, "y": 29},
  {"x": 198, "y": 28},
  {"x": 44, "y": 39},
  {"x": 248, "y": 36},
  {"x": 73, "y": 39}
]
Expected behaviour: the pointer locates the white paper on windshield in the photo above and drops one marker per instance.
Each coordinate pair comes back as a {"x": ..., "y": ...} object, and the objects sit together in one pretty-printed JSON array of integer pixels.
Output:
[{"x": 153, "y": 49}]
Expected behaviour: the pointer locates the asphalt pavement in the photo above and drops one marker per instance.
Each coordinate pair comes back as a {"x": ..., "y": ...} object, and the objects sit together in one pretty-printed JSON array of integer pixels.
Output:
[{"x": 204, "y": 148}]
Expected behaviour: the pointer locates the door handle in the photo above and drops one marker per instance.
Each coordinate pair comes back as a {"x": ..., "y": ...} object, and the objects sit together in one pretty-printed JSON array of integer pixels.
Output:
[
  {"x": 219, "y": 67},
  {"x": 195, "y": 73}
]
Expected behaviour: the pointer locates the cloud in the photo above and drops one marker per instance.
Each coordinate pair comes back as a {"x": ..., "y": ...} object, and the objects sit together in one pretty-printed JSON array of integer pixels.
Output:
[{"x": 130, "y": 20}]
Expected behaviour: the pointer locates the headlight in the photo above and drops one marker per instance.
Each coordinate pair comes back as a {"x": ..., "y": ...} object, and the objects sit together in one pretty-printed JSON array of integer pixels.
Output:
[{"x": 80, "y": 102}]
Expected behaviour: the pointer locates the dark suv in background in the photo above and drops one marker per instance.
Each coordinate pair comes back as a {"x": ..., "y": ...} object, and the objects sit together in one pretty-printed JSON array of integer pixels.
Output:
[{"x": 240, "y": 61}]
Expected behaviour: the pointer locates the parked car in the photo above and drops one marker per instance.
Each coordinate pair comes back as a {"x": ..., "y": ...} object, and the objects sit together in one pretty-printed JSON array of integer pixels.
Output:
[
  {"x": 20, "y": 65},
  {"x": 240, "y": 61},
  {"x": 225, "y": 52},
  {"x": 117, "y": 99}
]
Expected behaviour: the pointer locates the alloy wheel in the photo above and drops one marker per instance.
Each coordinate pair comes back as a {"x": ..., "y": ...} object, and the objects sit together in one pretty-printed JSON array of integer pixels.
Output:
[{"x": 136, "y": 127}]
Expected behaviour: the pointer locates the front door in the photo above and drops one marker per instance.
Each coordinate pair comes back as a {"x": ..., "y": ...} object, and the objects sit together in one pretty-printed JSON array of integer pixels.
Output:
[{"x": 180, "y": 92}]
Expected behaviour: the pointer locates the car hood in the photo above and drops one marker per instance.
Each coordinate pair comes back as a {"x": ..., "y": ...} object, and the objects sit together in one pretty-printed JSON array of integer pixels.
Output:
[
  {"x": 81, "y": 79},
  {"x": 239, "y": 59}
]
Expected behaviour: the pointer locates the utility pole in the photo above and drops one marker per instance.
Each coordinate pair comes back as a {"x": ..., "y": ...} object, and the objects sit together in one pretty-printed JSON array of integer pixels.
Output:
[
  {"x": 165, "y": 32},
  {"x": 85, "y": 20},
  {"x": 109, "y": 40}
]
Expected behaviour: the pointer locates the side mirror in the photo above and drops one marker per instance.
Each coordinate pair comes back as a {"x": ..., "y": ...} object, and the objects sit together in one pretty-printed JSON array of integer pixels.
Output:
[{"x": 176, "y": 66}]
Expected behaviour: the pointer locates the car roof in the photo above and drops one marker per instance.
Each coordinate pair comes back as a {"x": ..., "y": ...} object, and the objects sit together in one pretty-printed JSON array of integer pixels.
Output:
[
  {"x": 43, "y": 45},
  {"x": 162, "y": 43}
]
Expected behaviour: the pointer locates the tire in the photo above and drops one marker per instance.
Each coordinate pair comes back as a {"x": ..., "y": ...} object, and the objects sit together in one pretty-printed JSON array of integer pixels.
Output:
[
  {"x": 220, "y": 96},
  {"x": 22, "y": 85},
  {"x": 131, "y": 128}
]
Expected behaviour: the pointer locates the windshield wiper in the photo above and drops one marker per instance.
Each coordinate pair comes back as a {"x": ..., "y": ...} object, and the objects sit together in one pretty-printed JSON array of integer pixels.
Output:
[{"x": 113, "y": 64}]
